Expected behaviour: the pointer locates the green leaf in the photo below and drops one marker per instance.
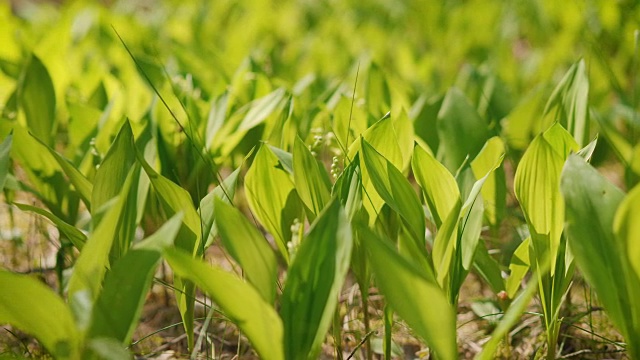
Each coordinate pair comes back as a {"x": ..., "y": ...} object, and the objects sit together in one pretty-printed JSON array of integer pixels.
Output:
[
  {"x": 438, "y": 185},
  {"x": 487, "y": 267},
  {"x": 537, "y": 181},
  {"x": 115, "y": 167},
  {"x": 314, "y": 282},
  {"x": 5, "y": 153},
  {"x": 32, "y": 307},
  {"x": 239, "y": 301},
  {"x": 89, "y": 270},
  {"x": 396, "y": 191},
  {"x": 249, "y": 248},
  {"x": 461, "y": 131},
  {"x": 310, "y": 178},
  {"x": 272, "y": 197},
  {"x": 409, "y": 292},
  {"x": 494, "y": 190},
  {"x": 37, "y": 98},
  {"x": 119, "y": 306},
  {"x": 74, "y": 235},
  {"x": 261, "y": 109},
  {"x": 591, "y": 202},
  {"x": 175, "y": 199},
  {"x": 571, "y": 96},
  {"x": 225, "y": 191},
  {"x": 519, "y": 266},
  {"x": 378, "y": 137}
]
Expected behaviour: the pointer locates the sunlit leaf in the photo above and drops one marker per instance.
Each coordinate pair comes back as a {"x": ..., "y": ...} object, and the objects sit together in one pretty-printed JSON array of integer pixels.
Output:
[
  {"x": 272, "y": 197},
  {"x": 438, "y": 185},
  {"x": 537, "y": 189},
  {"x": 395, "y": 190},
  {"x": 311, "y": 179},
  {"x": 32, "y": 307},
  {"x": 494, "y": 190}
]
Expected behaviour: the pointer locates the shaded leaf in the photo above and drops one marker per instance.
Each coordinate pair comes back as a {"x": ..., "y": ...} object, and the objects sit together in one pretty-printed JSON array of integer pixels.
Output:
[
  {"x": 239, "y": 301},
  {"x": 77, "y": 237},
  {"x": 408, "y": 291},
  {"x": 311, "y": 180},
  {"x": 314, "y": 282},
  {"x": 249, "y": 248},
  {"x": 37, "y": 98}
]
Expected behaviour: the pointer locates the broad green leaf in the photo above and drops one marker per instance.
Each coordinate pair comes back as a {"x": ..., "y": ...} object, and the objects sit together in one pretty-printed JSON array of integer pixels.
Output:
[
  {"x": 239, "y": 301},
  {"x": 118, "y": 164},
  {"x": 272, "y": 197},
  {"x": 494, "y": 190},
  {"x": 438, "y": 185},
  {"x": 519, "y": 266},
  {"x": 225, "y": 191},
  {"x": 445, "y": 246},
  {"x": 471, "y": 223},
  {"x": 37, "y": 98},
  {"x": 119, "y": 306},
  {"x": 421, "y": 303},
  {"x": 175, "y": 199},
  {"x": 378, "y": 137},
  {"x": 405, "y": 136},
  {"x": 461, "y": 131},
  {"x": 314, "y": 282},
  {"x": 396, "y": 191},
  {"x": 591, "y": 202},
  {"x": 627, "y": 227},
  {"x": 77, "y": 237},
  {"x": 310, "y": 178},
  {"x": 89, "y": 270},
  {"x": 115, "y": 167},
  {"x": 249, "y": 248},
  {"x": 537, "y": 181},
  {"x": 5, "y": 153},
  {"x": 32, "y": 307}
]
